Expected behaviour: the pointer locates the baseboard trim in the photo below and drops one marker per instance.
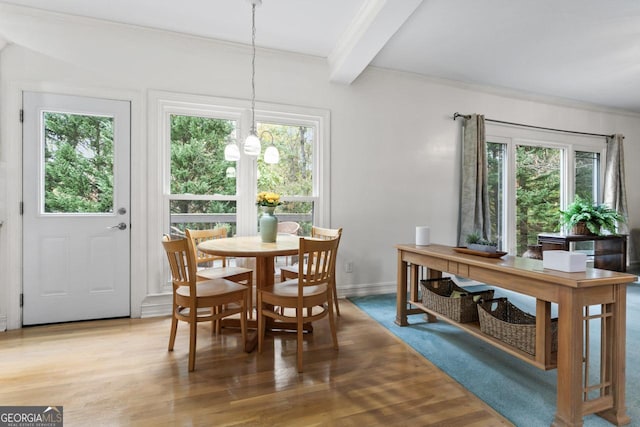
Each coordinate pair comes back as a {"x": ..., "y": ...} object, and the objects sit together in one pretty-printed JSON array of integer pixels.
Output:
[
  {"x": 360, "y": 290},
  {"x": 160, "y": 304},
  {"x": 3, "y": 323},
  {"x": 156, "y": 306}
]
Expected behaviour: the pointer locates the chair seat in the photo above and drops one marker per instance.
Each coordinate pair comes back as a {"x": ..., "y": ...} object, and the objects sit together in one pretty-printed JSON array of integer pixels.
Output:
[
  {"x": 290, "y": 289},
  {"x": 221, "y": 272},
  {"x": 211, "y": 288}
]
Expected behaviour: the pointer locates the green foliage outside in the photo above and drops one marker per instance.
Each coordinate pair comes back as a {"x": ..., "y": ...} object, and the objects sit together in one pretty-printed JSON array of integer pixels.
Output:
[
  {"x": 496, "y": 154},
  {"x": 537, "y": 188},
  {"x": 78, "y": 163},
  {"x": 537, "y": 193},
  {"x": 293, "y": 175},
  {"x": 198, "y": 165}
]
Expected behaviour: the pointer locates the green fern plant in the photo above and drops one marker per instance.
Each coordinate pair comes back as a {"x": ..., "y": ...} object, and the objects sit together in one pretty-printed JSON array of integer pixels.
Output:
[{"x": 597, "y": 218}]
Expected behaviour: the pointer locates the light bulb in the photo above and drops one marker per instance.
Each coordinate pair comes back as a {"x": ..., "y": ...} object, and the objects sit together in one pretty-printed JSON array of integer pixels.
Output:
[
  {"x": 231, "y": 152},
  {"x": 231, "y": 172},
  {"x": 252, "y": 145},
  {"x": 271, "y": 155}
]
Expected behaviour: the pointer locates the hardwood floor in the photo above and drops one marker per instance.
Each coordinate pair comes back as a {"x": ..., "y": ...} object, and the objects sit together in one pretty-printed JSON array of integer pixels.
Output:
[{"x": 119, "y": 373}]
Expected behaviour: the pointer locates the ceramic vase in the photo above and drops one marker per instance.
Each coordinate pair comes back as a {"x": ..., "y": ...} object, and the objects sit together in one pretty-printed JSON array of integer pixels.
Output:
[{"x": 268, "y": 224}]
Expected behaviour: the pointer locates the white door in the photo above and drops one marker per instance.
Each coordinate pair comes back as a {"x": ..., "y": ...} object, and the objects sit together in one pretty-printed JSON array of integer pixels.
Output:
[{"x": 76, "y": 188}]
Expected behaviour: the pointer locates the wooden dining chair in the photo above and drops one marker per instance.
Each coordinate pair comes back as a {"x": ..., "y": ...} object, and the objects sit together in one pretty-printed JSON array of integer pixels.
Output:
[
  {"x": 209, "y": 272},
  {"x": 289, "y": 227},
  {"x": 291, "y": 272},
  {"x": 310, "y": 290},
  {"x": 193, "y": 300}
]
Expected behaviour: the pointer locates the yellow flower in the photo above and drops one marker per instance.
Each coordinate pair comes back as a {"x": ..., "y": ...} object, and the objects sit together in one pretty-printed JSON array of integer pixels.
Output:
[{"x": 267, "y": 198}]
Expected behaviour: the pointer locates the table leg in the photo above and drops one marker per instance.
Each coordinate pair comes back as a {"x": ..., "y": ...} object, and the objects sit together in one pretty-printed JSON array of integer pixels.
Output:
[
  {"x": 615, "y": 334},
  {"x": 263, "y": 279},
  {"x": 543, "y": 332},
  {"x": 570, "y": 344},
  {"x": 401, "y": 293}
]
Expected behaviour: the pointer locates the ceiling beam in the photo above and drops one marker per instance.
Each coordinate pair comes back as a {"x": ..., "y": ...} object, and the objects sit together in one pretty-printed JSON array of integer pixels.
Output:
[{"x": 373, "y": 26}]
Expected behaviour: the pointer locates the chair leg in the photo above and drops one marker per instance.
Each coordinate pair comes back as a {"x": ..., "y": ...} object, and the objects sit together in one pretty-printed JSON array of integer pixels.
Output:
[
  {"x": 332, "y": 323},
  {"x": 335, "y": 294},
  {"x": 250, "y": 287},
  {"x": 299, "y": 327},
  {"x": 174, "y": 328},
  {"x": 193, "y": 330},
  {"x": 243, "y": 317},
  {"x": 217, "y": 324}
]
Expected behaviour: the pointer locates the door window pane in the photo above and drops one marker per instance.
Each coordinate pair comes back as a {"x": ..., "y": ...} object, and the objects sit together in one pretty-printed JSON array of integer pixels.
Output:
[
  {"x": 537, "y": 193},
  {"x": 78, "y": 163},
  {"x": 197, "y": 155}
]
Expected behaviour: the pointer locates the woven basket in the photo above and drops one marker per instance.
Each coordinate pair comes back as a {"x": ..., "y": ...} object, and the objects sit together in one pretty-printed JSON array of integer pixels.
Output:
[
  {"x": 436, "y": 296},
  {"x": 506, "y": 322}
]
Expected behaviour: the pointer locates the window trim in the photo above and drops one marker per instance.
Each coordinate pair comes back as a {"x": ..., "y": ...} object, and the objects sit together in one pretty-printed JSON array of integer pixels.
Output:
[
  {"x": 169, "y": 103},
  {"x": 569, "y": 143}
]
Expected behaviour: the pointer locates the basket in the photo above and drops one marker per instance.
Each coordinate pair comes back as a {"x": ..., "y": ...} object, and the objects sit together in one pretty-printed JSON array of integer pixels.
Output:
[
  {"x": 437, "y": 296},
  {"x": 506, "y": 322}
]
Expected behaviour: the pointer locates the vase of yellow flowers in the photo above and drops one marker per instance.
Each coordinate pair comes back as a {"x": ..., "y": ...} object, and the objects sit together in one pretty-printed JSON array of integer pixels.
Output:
[{"x": 268, "y": 201}]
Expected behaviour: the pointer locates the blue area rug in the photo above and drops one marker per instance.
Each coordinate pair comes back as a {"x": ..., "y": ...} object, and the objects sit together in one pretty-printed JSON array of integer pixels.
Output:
[{"x": 520, "y": 392}]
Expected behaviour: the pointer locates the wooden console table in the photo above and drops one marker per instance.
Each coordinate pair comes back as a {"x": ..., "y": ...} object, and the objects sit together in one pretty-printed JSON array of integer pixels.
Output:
[
  {"x": 573, "y": 292},
  {"x": 609, "y": 252}
]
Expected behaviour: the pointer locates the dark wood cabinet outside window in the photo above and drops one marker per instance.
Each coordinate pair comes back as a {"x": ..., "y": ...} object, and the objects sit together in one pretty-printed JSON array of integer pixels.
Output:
[{"x": 607, "y": 252}]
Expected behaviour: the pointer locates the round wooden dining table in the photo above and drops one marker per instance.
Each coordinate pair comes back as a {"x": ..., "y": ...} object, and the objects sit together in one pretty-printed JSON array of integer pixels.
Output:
[
  {"x": 264, "y": 253},
  {"x": 254, "y": 247}
]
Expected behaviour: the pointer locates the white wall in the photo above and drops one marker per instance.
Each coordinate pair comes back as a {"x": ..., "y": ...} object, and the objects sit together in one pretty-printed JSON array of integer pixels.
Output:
[{"x": 394, "y": 146}]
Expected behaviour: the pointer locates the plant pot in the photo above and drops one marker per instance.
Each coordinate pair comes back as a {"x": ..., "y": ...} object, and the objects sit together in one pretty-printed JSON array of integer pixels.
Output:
[
  {"x": 581, "y": 229},
  {"x": 482, "y": 248}
]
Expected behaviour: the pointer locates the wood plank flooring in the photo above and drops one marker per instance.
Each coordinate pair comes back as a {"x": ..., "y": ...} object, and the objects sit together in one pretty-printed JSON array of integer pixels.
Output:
[{"x": 119, "y": 373}]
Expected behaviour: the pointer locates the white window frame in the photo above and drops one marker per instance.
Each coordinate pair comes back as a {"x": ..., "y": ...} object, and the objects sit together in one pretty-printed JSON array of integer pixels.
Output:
[
  {"x": 512, "y": 137},
  {"x": 168, "y": 103}
]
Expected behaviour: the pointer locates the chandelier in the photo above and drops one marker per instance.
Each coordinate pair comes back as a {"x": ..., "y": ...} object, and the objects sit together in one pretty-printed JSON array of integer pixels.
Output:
[{"x": 252, "y": 146}]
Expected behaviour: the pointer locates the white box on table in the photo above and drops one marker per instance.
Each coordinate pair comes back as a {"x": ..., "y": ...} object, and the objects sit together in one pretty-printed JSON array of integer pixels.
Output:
[{"x": 570, "y": 262}]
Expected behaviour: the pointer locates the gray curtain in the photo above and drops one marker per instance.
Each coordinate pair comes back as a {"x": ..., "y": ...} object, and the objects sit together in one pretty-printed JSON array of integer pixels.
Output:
[
  {"x": 615, "y": 192},
  {"x": 474, "y": 199}
]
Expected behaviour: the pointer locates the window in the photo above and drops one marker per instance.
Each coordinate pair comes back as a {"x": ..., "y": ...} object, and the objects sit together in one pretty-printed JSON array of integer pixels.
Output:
[
  {"x": 78, "y": 163},
  {"x": 202, "y": 193},
  {"x": 202, "y": 190},
  {"x": 292, "y": 177},
  {"x": 530, "y": 179}
]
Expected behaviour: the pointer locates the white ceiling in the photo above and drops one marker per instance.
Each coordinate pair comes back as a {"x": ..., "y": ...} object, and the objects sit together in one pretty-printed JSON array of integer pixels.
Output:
[{"x": 581, "y": 50}]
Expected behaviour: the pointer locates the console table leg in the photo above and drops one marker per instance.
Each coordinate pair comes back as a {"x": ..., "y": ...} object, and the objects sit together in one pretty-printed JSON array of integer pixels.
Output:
[
  {"x": 570, "y": 343},
  {"x": 401, "y": 294},
  {"x": 616, "y": 334}
]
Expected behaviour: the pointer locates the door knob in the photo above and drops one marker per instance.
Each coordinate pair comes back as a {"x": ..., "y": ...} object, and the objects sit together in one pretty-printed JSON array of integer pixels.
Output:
[{"x": 121, "y": 226}]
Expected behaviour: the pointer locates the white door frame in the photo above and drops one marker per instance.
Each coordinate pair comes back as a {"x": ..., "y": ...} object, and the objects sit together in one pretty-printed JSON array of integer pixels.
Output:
[
  {"x": 11, "y": 155},
  {"x": 76, "y": 266}
]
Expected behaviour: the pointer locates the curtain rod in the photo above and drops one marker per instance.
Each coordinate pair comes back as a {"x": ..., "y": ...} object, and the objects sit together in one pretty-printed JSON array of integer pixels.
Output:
[{"x": 468, "y": 116}]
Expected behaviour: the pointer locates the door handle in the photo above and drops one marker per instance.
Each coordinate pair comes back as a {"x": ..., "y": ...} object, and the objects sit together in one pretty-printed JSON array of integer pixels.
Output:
[{"x": 121, "y": 226}]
